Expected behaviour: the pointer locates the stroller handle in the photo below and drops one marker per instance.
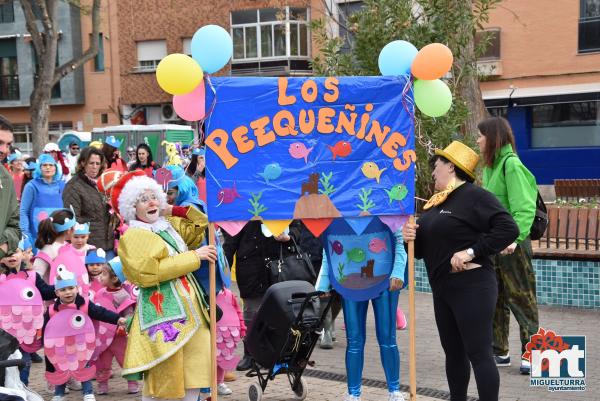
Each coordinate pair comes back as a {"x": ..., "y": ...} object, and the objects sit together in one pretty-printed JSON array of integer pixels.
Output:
[{"x": 12, "y": 362}]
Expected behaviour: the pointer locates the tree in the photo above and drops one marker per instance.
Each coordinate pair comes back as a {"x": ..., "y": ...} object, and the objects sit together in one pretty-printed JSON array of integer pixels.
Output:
[
  {"x": 44, "y": 37},
  {"x": 452, "y": 22}
]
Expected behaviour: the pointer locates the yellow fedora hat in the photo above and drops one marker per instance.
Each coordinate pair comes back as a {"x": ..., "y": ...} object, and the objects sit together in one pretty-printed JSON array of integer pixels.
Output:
[{"x": 461, "y": 156}]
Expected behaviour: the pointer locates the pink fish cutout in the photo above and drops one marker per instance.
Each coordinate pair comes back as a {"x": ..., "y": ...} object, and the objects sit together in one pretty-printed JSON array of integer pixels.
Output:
[
  {"x": 337, "y": 247},
  {"x": 69, "y": 342},
  {"x": 229, "y": 331},
  {"x": 68, "y": 260},
  {"x": 298, "y": 150},
  {"x": 377, "y": 245},
  {"x": 341, "y": 149},
  {"x": 105, "y": 332},
  {"x": 133, "y": 290},
  {"x": 163, "y": 176},
  {"x": 228, "y": 195},
  {"x": 21, "y": 307}
]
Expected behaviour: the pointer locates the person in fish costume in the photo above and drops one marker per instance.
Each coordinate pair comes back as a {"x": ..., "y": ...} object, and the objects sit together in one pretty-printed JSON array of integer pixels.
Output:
[
  {"x": 169, "y": 337},
  {"x": 69, "y": 335},
  {"x": 362, "y": 267}
]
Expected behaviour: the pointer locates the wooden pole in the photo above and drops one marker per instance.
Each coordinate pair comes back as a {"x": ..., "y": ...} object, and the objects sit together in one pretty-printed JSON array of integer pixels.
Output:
[
  {"x": 213, "y": 318},
  {"x": 412, "y": 356}
]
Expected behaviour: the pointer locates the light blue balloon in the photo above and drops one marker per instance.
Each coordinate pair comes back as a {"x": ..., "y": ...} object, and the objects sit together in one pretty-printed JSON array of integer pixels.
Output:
[
  {"x": 212, "y": 48},
  {"x": 396, "y": 58}
]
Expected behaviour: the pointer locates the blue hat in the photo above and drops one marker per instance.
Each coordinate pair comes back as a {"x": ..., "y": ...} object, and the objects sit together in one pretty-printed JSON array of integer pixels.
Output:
[
  {"x": 46, "y": 158},
  {"x": 199, "y": 151},
  {"x": 95, "y": 256},
  {"x": 82, "y": 229},
  {"x": 31, "y": 166},
  {"x": 59, "y": 228},
  {"x": 178, "y": 174},
  {"x": 117, "y": 268},
  {"x": 65, "y": 279},
  {"x": 14, "y": 156},
  {"x": 185, "y": 146},
  {"x": 112, "y": 141}
]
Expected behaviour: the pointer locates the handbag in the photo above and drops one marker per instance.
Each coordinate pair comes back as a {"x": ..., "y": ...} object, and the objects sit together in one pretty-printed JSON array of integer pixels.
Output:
[{"x": 296, "y": 266}]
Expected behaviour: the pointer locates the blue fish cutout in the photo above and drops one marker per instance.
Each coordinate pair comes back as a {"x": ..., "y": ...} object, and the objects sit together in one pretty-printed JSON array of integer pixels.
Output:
[{"x": 271, "y": 172}]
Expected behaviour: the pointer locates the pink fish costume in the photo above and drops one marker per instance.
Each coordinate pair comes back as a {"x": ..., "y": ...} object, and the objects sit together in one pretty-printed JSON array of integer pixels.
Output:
[
  {"x": 21, "y": 307},
  {"x": 69, "y": 342},
  {"x": 230, "y": 330},
  {"x": 68, "y": 260}
]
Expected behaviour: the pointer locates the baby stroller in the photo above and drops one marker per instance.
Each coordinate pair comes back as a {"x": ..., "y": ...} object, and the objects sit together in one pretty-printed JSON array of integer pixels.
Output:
[
  {"x": 11, "y": 387},
  {"x": 283, "y": 335}
]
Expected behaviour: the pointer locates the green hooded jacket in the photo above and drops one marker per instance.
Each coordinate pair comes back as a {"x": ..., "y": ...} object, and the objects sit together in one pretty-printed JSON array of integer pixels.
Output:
[
  {"x": 517, "y": 191},
  {"x": 10, "y": 233}
]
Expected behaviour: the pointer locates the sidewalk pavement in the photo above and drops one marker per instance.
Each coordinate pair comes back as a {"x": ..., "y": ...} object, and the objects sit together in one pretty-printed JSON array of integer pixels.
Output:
[{"x": 326, "y": 379}]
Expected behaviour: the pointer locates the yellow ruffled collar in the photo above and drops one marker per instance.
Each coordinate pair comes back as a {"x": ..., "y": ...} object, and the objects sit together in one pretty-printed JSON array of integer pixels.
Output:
[{"x": 440, "y": 197}]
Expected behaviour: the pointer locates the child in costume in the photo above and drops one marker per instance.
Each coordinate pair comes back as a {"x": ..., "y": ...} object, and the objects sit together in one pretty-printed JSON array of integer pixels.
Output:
[
  {"x": 230, "y": 330},
  {"x": 169, "y": 337},
  {"x": 70, "y": 338},
  {"x": 379, "y": 256},
  {"x": 21, "y": 295},
  {"x": 53, "y": 232},
  {"x": 95, "y": 262},
  {"x": 79, "y": 239},
  {"x": 121, "y": 301}
]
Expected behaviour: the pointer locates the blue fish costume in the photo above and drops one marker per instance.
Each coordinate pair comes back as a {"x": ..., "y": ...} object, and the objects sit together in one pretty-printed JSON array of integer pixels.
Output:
[{"x": 359, "y": 274}]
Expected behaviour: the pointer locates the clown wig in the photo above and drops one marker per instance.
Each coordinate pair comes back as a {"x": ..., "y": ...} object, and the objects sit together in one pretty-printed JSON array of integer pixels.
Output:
[{"x": 131, "y": 192}]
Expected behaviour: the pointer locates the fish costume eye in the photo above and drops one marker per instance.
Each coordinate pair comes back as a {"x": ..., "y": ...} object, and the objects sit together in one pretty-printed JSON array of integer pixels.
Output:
[
  {"x": 135, "y": 290},
  {"x": 27, "y": 293},
  {"x": 77, "y": 321}
]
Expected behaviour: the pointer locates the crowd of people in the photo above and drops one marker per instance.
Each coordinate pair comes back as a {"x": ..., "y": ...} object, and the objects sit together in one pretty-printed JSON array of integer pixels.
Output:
[{"x": 103, "y": 237}]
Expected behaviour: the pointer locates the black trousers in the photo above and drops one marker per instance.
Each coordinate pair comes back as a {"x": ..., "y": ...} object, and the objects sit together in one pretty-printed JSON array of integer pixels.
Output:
[{"x": 464, "y": 310}]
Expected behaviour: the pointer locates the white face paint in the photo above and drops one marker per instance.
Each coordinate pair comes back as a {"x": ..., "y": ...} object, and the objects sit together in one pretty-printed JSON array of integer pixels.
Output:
[{"x": 147, "y": 207}]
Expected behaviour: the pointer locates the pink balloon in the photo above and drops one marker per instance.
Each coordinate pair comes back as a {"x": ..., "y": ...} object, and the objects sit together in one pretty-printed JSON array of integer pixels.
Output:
[{"x": 191, "y": 106}]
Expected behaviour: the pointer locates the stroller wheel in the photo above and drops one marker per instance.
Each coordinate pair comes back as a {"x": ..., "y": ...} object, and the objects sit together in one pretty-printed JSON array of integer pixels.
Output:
[
  {"x": 302, "y": 390},
  {"x": 255, "y": 392}
]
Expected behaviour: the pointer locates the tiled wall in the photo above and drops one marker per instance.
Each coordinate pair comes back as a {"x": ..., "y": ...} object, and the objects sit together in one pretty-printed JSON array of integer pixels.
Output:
[{"x": 559, "y": 282}]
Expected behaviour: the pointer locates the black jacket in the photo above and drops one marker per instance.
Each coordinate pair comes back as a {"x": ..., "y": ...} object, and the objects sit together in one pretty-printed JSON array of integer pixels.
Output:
[{"x": 252, "y": 249}]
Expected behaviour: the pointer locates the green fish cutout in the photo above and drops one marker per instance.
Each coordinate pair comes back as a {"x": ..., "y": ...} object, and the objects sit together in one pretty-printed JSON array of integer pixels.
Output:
[
  {"x": 356, "y": 255},
  {"x": 397, "y": 193}
]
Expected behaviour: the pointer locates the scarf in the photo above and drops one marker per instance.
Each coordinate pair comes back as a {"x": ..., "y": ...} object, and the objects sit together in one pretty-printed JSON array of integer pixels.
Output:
[{"x": 440, "y": 197}]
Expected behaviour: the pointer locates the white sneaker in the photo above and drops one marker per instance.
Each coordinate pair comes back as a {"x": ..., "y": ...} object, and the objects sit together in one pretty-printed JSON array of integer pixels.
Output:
[
  {"x": 222, "y": 389},
  {"x": 396, "y": 396},
  {"x": 58, "y": 398},
  {"x": 351, "y": 398},
  {"x": 89, "y": 397}
]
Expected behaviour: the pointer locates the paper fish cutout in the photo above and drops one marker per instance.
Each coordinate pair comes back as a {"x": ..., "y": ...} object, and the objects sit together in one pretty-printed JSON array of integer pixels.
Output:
[
  {"x": 298, "y": 150},
  {"x": 371, "y": 170},
  {"x": 69, "y": 342},
  {"x": 68, "y": 264},
  {"x": 337, "y": 247},
  {"x": 105, "y": 332},
  {"x": 163, "y": 176},
  {"x": 271, "y": 172},
  {"x": 341, "y": 149},
  {"x": 228, "y": 195},
  {"x": 21, "y": 306},
  {"x": 397, "y": 193},
  {"x": 377, "y": 245},
  {"x": 356, "y": 255}
]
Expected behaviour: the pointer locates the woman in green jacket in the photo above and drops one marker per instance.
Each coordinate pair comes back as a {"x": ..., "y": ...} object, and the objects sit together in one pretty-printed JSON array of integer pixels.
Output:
[{"x": 513, "y": 184}]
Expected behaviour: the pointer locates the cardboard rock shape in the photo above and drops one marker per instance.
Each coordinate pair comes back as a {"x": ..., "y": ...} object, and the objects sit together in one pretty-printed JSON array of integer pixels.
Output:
[
  {"x": 69, "y": 342},
  {"x": 21, "y": 306}
]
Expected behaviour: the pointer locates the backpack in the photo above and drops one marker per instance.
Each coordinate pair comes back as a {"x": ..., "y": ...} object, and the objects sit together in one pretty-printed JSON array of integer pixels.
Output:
[{"x": 540, "y": 220}]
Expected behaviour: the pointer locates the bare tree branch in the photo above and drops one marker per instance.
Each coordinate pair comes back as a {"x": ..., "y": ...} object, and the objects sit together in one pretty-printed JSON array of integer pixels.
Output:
[
  {"x": 30, "y": 23},
  {"x": 90, "y": 52}
]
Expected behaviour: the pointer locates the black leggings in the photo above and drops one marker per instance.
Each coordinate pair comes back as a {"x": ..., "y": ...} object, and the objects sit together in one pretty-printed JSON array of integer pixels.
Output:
[{"x": 464, "y": 315}]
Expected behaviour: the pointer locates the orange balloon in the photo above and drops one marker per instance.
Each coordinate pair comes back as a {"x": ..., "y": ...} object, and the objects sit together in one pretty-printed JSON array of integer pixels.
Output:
[{"x": 432, "y": 62}]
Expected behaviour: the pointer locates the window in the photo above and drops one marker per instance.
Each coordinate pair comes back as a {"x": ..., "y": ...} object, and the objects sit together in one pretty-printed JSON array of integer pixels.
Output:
[
  {"x": 345, "y": 10},
  {"x": 187, "y": 46},
  {"x": 566, "y": 125},
  {"x": 99, "y": 59},
  {"x": 104, "y": 118},
  {"x": 9, "y": 74},
  {"x": 270, "y": 33},
  {"x": 498, "y": 111},
  {"x": 589, "y": 26},
  {"x": 492, "y": 50},
  {"x": 7, "y": 12},
  {"x": 149, "y": 54}
]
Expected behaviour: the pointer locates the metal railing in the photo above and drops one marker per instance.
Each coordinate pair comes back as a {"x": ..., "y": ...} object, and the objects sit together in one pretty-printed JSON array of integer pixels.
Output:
[{"x": 9, "y": 87}]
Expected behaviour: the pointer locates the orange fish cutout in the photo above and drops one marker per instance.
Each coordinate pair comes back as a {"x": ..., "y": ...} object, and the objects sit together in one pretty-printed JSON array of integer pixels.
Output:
[{"x": 341, "y": 149}]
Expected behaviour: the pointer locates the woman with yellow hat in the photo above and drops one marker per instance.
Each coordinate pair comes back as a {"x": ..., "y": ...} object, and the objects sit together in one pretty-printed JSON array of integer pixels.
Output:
[{"x": 461, "y": 228}]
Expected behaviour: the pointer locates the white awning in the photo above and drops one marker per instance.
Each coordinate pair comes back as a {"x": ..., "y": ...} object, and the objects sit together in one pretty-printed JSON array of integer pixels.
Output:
[{"x": 541, "y": 91}]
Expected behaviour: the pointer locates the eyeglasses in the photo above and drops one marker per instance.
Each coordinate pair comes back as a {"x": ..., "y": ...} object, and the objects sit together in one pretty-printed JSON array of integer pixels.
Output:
[{"x": 145, "y": 198}]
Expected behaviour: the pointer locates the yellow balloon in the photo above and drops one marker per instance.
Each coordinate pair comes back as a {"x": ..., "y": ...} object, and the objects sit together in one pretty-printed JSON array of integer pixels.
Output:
[{"x": 178, "y": 74}]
